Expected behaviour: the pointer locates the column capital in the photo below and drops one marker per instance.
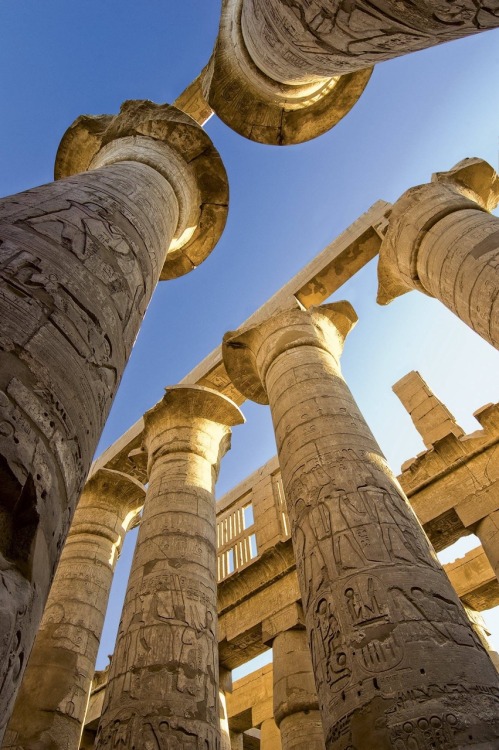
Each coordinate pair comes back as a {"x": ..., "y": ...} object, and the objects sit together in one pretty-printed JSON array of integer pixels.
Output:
[
  {"x": 190, "y": 419},
  {"x": 113, "y": 490},
  {"x": 249, "y": 352},
  {"x": 166, "y": 139},
  {"x": 470, "y": 184},
  {"x": 266, "y": 110},
  {"x": 291, "y": 617}
]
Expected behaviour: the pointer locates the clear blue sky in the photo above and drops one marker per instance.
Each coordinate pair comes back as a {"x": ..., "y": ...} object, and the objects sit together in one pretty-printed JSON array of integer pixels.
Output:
[{"x": 419, "y": 114}]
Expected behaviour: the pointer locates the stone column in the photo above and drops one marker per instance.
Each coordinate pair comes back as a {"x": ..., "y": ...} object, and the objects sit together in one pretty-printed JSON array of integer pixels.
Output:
[
  {"x": 264, "y": 108},
  {"x": 224, "y": 686},
  {"x": 236, "y": 741},
  {"x": 79, "y": 261},
  {"x": 270, "y": 736},
  {"x": 296, "y": 707},
  {"x": 487, "y": 530},
  {"x": 395, "y": 659},
  {"x": 293, "y": 40},
  {"x": 51, "y": 704},
  {"x": 163, "y": 679},
  {"x": 295, "y": 703},
  {"x": 442, "y": 240}
]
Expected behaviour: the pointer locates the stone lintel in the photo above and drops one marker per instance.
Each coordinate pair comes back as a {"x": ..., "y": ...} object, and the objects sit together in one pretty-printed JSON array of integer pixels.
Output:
[
  {"x": 289, "y": 618},
  {"x": 325, "y": 274},
  {"x": 474, "y": 580},
  {"x": 192, "y": 101}
]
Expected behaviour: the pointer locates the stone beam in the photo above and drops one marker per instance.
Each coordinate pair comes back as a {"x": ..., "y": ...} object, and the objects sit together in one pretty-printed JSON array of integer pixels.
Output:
[
  {"x": 474, "y": 580},
  {"x": 326, "y": 273}
]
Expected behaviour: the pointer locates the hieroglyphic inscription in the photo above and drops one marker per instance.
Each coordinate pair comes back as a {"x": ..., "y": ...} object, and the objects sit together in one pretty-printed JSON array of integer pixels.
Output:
[
  {"x": 381, "y": 614},
  {"x": 291, "y": 38},
  {"x": 78, "y": 262}
]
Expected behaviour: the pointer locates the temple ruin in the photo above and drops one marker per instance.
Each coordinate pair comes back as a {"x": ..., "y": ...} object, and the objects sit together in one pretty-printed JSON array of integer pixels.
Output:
[{"x": 323, "y": 555}]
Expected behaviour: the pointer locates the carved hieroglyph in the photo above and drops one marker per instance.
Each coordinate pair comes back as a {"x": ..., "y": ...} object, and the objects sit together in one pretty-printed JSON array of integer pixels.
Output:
[
  {"x": 293, "y": 40},
  {"x": 51, "y": 704},
  {"x": 163, "y": 681},
  {"x": 442, "y": 240},
  {"x": 263, "y": 109},
  {"x": 396, "y": 662},
  {"x": 296, "y": 708},
  {"x": 79, "y": 261}
]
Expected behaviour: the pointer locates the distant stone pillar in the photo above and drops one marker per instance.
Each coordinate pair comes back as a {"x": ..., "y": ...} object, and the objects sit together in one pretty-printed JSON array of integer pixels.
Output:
[
  {"x": 296, "y": 707},
  {"x": 79, "y": 261},
  {"x": 270, "y": 736},
  {"x": 224, "y": 686},
  {"x": 487, "y": 530},
  {"x": 442, "y": 241},
  {"x": 163, "y": 678},
  {"x": 237, "y": 741},
  {"x": 260, "y": 106},
  {"x": 292, "y": 40},
  {"x": 51, "y": 704},
  {"x": 383, "y": 621}
]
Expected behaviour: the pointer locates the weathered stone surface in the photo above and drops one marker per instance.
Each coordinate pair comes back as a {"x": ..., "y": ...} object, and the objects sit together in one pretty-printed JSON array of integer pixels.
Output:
[
  {"x": 430, "y": 416},
  {"x": 293, "y": 40},
  {"x": 80, "y": 259},
  {"x": 163, "y": 680},
  {"x": 270, "y": 736},
  {"x": 442, "y": 241},
  {"x": 267, "y": 110},
  {"x": 370, "y": 583},
  {"x": 296, "y": 707},
  {"x": 51, "y": 704}
]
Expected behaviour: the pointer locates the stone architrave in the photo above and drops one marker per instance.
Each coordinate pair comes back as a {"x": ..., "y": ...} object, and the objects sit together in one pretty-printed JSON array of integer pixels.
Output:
[
  {"x": 487, "y": 530},
  {"x": 79, "y": 261},
  {"x": 263, "y": 108},
  {"x": 295, "y": 40},
  {"x": 396, "y": 662},
  {"x": 163, "y": 680},
  {"x": 296, "y": 707},
  {"x": 442, "y": 240},
  {"x": 52, "y": 701}
]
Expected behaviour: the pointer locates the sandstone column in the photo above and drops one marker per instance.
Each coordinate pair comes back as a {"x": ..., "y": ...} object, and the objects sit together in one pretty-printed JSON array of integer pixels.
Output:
[
  {"x": 163, "y": 679},
  {"x": 79, "y": 261},
  {"x": 296, "y": 708},
  {"x": 270, "y": 736},
  {"x": 224, "y": 686},
  {"x": 51, "y": 704},
  {"x": 293, "y": 40},
  {"x": 442, "y": 240},
  {"x": 487, "y": 530},
  {"x": 395, "y": 659},
  {"x": 260, "y": 106}
]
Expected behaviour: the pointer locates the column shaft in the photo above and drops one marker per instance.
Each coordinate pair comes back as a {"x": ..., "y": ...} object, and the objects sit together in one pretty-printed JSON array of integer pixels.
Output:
[
  {"x": 296, "y": 707},
  {"x": 395, "y": 659},
  {"x": 270, "y": 736},
  {"x": 163, "y": 679},
  {"x": 295, "y": 40},
  {"x": 51, "y": 704},
  {"x": 79, "y": 261}
]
